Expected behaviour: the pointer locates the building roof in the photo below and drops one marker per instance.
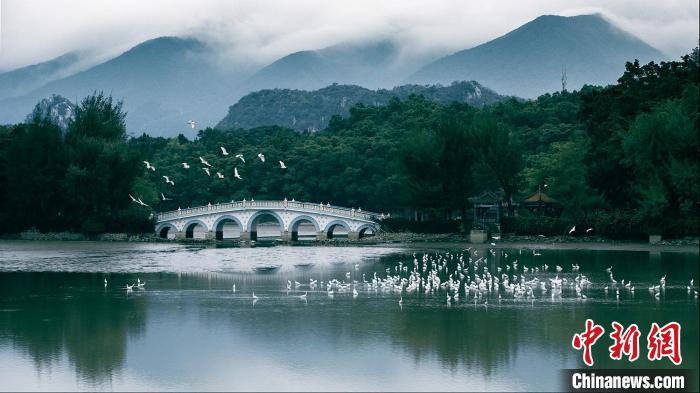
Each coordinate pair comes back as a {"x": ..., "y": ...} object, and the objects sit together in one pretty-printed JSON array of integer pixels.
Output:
[{"x": 540, "y": 197}]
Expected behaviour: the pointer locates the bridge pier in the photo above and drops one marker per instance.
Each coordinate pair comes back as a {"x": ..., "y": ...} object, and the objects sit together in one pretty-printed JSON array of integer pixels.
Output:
[
  {"x": 179, "y": 235},
  {"x": 210, "y": 235},
  {"x": 352, "y": 235},
  {"x": 321, "y": 235},
  {"x": 287, "y": 236},
  {"x": 245, "y": 236}
]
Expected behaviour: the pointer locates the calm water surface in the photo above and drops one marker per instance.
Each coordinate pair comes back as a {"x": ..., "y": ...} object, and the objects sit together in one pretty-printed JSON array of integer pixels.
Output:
[{"x": 61, "y": 329}]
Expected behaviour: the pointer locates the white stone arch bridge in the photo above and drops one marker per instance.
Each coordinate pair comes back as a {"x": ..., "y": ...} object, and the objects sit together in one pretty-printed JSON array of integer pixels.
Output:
[{"x": 247, "y": 214}]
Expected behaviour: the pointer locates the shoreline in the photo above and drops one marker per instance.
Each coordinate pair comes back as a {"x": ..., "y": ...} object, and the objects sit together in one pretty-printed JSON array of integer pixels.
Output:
[{"x": 689, "y": 244}]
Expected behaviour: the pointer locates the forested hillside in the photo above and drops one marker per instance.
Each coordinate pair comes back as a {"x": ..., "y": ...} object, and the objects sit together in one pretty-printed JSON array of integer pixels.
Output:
[{"x": 312, "y": 110}]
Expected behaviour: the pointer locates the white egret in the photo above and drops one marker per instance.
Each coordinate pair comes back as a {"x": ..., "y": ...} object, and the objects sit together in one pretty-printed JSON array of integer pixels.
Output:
[
  {"x": 219, "y": 175},
  {"x": 149, "y": 166},
  {"x": 207, "y": 171},
  {"x": 261, "y": 157},
  {"x": 282, "y": 166},
  {"x": 223, "y": 151},
  {"x": 204, "y": 161},
  {"x": 236, "y": 175},
  {"x": 185, "y": 165},
  {"x": 192, "y": 123},
  {"x": 240, "y": 157}
]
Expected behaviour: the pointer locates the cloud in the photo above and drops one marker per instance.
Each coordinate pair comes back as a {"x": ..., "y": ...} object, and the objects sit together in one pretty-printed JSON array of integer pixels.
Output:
[{"x": 261, "y": 31}]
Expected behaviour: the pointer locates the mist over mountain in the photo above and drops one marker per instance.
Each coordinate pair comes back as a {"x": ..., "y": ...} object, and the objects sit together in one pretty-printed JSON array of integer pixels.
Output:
[
  {"x": 372, "y": 65},
  {"x": 311, "y": 110},
  {"x": 167, "y": 81},
  {"x": 164, "y": 82},
  {"x": 26, "y": 79},
  {"x": 529, "y": 60}
]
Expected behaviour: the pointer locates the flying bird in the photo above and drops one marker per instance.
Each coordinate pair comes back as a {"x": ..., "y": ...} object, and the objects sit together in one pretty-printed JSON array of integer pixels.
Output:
[
  {"x": 261, "y": 157},
  {"x": 240, "y": 157},
  {"x": 219, "y": 175},
  {"x": 167, "y": 180},
  {"x": 192, "y": 123},
  {"x": 207, "y": 171},
  {"x": 236, "y": 175},
  {"x": 133, "y": 199},
  {"x": 186, "y": 165},
  {"x": 572, "y": 230},
  {"x": 204, "y": 161},
  {"x": 223, "y": 151},
  {"x": 164, "y": 198},
  {"x": 282, "y": 165},
  {"x": 149, "y": 166},
  {"x": 589, "y": 230},
  {"x": 140, "y": 202}
]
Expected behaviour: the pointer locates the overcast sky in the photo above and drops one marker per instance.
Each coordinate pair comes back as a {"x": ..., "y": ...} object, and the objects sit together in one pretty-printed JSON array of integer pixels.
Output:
[{"x": 260, "y": 31}]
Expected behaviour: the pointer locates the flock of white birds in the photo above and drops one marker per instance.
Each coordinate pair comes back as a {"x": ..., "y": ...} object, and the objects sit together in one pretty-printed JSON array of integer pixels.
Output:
[
  {"x": 466, "y": 277},
  {"x": 206, "y": 168}
]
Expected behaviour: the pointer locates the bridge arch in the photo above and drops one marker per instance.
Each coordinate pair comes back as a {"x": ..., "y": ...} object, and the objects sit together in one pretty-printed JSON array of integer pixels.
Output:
[
  {"x": 294, "y": 225},
  {"x": 218, "y": 225},
  {"x": 330, "y": 227},
  {"x": 165, "y": 230},
  {"x": 252, "y": 222},
  {"x": 363, "y": 229},
  {"x": 191, "y": 225}
]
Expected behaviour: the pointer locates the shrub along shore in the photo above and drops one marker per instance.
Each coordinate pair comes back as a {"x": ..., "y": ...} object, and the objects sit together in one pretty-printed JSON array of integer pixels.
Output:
[{"x": 403, "y": 238}]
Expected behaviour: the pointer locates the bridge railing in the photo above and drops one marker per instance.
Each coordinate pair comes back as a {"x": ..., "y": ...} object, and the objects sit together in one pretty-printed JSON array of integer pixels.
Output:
[{"x": 315, "y": 207}]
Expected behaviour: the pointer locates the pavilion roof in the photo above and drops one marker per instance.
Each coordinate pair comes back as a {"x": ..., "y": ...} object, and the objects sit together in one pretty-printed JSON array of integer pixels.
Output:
[{"x": 540, "y": 197}]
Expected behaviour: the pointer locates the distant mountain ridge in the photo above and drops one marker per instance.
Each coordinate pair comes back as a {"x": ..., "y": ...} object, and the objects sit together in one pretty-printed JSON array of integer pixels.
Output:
[
  {"x": 25, "y": 79},
  {"x": 164, "y": 82},
  {"x": 371, "y": 65},
  {"x": 167, "y": 81},
  {"x": 529, "y": 61},
  {"x": 311, "y": 110}
]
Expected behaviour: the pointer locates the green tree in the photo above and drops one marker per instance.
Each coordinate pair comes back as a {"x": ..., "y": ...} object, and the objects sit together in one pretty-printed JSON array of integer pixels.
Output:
[
  {"x": 501, "y": 153},
  {"x": 565, "y": 173},
  {"x": 103, "y": 168}
]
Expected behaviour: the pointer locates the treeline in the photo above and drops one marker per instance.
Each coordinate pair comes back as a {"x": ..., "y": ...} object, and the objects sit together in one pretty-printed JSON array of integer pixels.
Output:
[
  {"x": 621, "y": 158},
  {"x": 75, "y": 181}
]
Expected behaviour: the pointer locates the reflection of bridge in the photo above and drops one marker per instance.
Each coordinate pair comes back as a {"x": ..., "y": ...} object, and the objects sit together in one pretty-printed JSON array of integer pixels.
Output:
[{"x": 247, "y": 214}]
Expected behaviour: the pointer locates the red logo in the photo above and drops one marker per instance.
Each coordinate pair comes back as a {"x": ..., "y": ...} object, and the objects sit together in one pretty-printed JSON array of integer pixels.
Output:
[
  {"x": 626, "y": 342},
  {"x": 662, "y": 342},
  {"x": 587, "y": 339},
  {"x": 665, "y": 342}
]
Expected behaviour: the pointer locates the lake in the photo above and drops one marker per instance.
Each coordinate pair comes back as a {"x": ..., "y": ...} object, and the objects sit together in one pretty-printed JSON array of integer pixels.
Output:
[{"x": 186, "y": 329}]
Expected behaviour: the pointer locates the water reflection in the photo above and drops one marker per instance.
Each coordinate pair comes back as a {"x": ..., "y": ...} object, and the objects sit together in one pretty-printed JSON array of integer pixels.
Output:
[
  {"x": 189, "y": 330},
  {"x": 49, "y": 315}
]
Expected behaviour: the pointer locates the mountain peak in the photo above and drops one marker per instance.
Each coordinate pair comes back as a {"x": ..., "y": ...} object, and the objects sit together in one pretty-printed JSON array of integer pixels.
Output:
[{"x": 529, "y": 60}]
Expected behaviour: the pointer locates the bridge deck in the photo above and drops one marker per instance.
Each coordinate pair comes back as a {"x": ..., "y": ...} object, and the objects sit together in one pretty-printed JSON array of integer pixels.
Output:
[{"x": 261, "y": 205}]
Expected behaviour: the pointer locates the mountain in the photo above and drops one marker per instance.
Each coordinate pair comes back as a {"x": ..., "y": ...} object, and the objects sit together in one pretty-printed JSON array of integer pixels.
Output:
[
  {"x": 164, "y": 82},
  {"x": 372, "y": 65},
  {"x": 23, "y": 80},
  {"x": 56, "y": 109},
  {"x": 311, "y": 110},
  {"x": 529, "y": 60}
]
